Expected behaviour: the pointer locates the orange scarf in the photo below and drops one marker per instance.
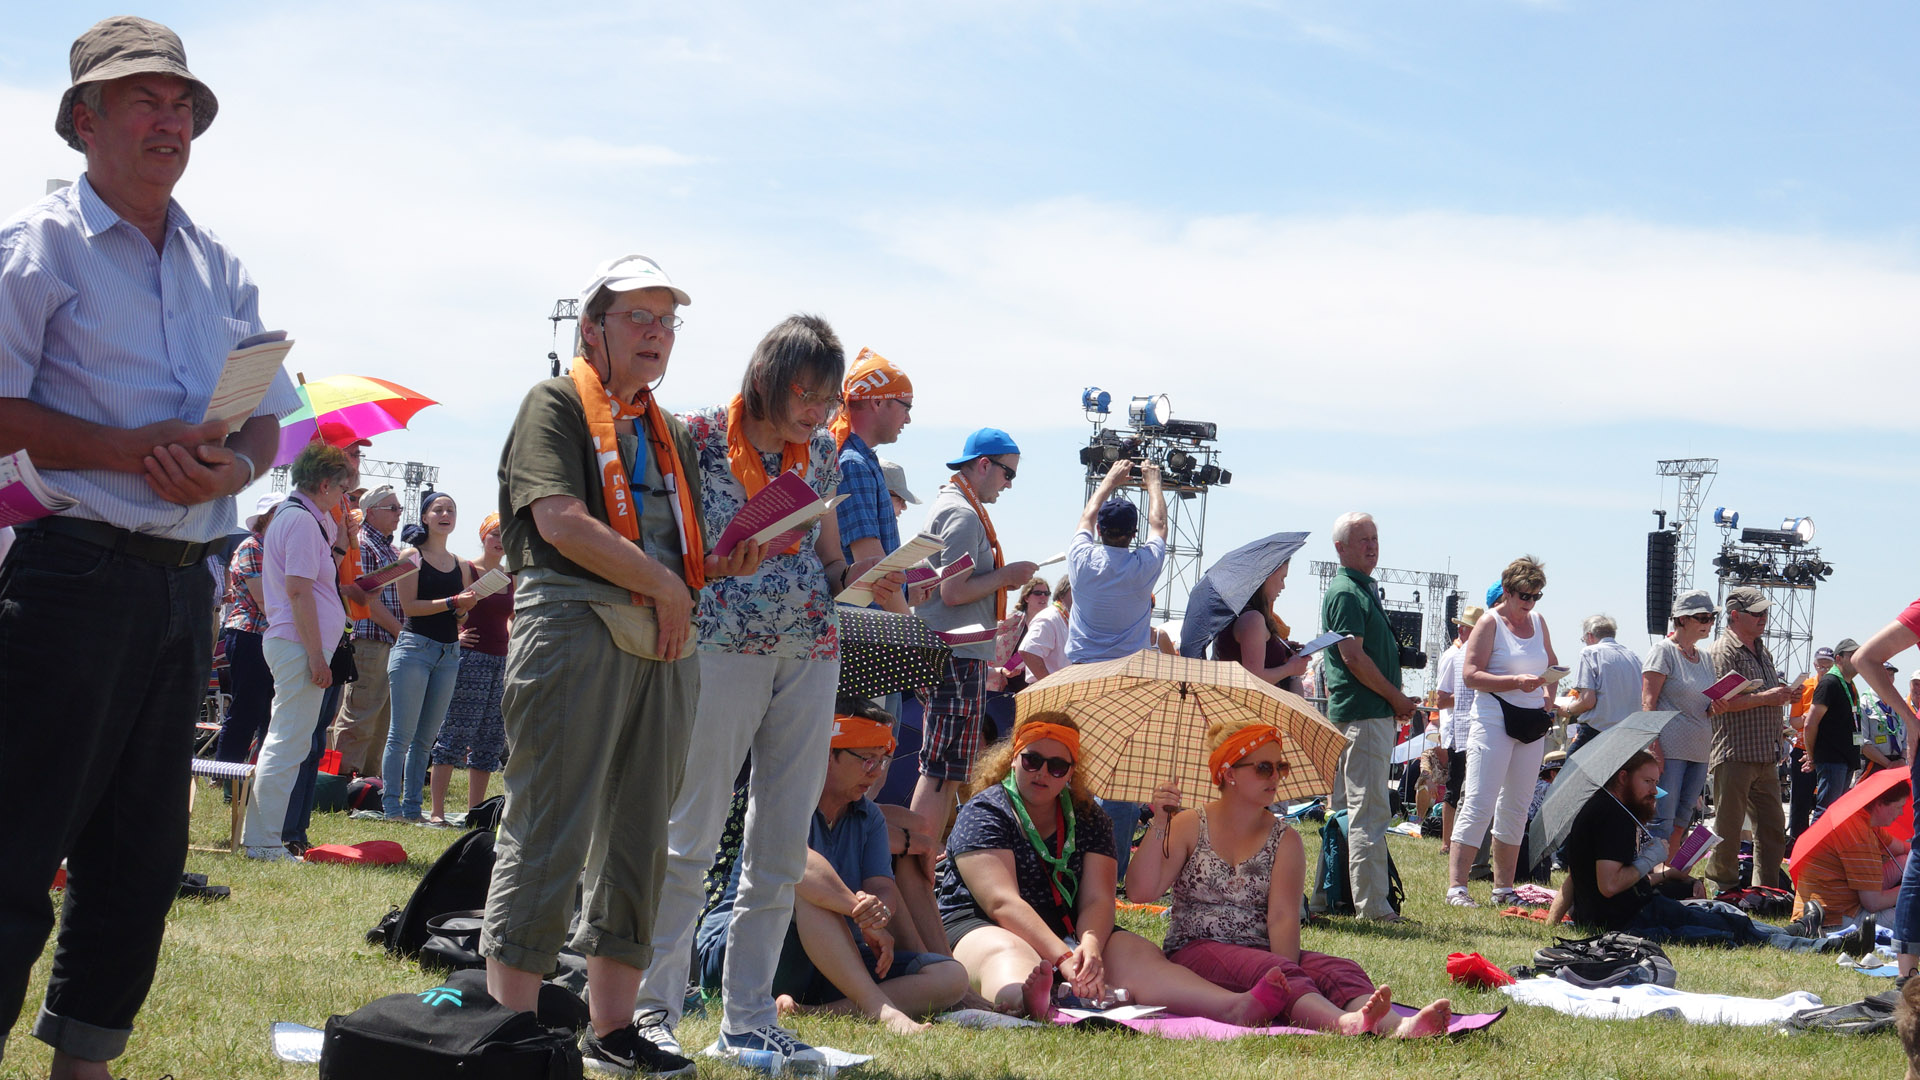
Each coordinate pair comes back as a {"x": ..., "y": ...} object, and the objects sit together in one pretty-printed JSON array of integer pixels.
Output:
[
  {"x": 347, "y": 527},
  {"x": 993, "y": 541},
  {"x": 744, "y": 459},
  {"x": 602, "y": 410}
]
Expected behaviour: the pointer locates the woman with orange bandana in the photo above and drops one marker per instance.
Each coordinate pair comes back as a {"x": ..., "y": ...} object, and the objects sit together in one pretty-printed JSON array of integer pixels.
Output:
[
  {"x": 769, "y": 667},
  {"x": 1027, "y": 892},
  {"x": 1237, "y": 875}
]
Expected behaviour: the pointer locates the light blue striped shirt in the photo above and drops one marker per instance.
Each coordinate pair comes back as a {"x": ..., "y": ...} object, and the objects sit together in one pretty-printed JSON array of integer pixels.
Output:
[{"x": 97, "y": 325}]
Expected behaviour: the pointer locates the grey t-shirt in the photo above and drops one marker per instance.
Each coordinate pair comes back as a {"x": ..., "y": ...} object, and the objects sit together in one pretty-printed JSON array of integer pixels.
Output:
[
  {"x": 960, "y": 532},
  {"x": 1689, "y": 736}
]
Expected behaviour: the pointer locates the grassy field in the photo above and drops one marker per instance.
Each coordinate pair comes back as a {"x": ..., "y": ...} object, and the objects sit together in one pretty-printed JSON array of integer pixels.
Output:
[{"x": 289, "y": 945}]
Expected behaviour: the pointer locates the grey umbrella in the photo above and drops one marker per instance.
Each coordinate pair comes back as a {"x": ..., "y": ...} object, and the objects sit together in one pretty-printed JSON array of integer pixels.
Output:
[
  {"x": 1223, "y": 590},
  {"x": 1587, "y": 772}
]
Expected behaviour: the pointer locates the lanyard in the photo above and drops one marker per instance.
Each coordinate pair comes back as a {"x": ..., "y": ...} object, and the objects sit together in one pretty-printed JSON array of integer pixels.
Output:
[{"x": 1064, "y": 882}]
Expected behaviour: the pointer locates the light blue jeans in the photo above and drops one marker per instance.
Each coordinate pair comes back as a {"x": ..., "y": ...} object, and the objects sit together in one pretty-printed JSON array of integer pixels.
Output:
[
  {"x": 1682, "y": 781},
  {"x": 423, "y": 673}
]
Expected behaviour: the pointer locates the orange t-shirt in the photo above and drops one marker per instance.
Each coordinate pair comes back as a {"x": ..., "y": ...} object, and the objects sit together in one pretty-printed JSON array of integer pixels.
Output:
[
  {"x": 348, "y": 525},
  {"x": 1853, "y": 858}
]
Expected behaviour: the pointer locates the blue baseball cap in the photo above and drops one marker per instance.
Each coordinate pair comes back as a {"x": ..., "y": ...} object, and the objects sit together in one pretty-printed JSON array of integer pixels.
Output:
[
  {"x": 1494, "y": 594},
  {"x": 1117, "y": 516},
  {"x": 986, "y": 442}
]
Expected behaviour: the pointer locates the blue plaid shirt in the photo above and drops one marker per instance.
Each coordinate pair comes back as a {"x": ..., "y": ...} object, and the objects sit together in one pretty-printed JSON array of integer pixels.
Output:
[
  {"x": 868, "y": 509},
  {"x": 377, "y": 551}
]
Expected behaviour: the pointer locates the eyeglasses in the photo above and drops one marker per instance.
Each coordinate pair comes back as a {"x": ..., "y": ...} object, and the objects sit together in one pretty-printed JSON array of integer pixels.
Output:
[
  {"x": 831, "y": 399},
  {"x": 903, "y": 403},
  {"x": 1057, "y": 767},
  {"x": 1526, "y": 597},
  {"x": 1266, "y": 770},
  {"x": 395, "y": 507},
  {"x": 1003, "y": 468},
  {"x": 867, "y": 764},
  {"x": 643, "y": 317}
]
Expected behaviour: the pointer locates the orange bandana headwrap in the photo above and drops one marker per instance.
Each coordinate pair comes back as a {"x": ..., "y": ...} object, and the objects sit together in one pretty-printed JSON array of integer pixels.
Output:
[
  {"x": 1027, "y": 734},
  {"x": 490, "y": 523},
  {"x": 615, "y": 492},
  {"x": 859, "y": 733},
  {"x": 1238, "y": 746},
  {"x": 872, "y": 378}
]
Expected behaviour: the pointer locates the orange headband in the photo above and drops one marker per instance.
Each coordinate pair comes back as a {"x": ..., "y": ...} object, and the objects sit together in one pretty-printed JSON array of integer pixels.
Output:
[
  {"x": 1237, "y": 746},
  {"x": 1027, "y": 734},
  {"x": 859, "y": 733},
  {"x": 872, "y": 378},
  {"x": 490, "y": 523}
]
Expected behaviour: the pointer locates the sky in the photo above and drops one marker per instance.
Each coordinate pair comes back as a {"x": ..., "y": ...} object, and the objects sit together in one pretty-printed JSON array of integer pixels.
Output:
[{"x": 1473, "y": 266}]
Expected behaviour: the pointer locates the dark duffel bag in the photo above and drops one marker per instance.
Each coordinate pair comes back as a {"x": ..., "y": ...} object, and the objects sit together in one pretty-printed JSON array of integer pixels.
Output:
[{"x": 454, "y": 1031}]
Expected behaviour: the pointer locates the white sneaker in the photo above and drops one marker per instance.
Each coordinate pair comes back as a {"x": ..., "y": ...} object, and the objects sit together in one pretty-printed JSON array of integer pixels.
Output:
[
  {"x": 653, "y": 1027},
  {"x": 271, "y": 853},
  {"x": 1459, "y": 897}
]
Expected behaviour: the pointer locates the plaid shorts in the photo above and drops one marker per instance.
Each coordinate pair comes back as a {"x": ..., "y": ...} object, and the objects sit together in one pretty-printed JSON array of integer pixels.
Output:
[{"x": 951, "y": 739}]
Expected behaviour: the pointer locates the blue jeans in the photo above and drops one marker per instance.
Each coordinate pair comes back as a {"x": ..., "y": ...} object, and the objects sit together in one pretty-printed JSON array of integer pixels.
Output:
[
  {"x": 1666, "y": 919},
  {"x": 1906, "y": 913},
  {"x": 1126, "y": 818},
  {"x": 300, "y": 800},
  {"x": 422, "y": 673},
  {"x": 1682, "y": 781},
  {"x": 1832, "y": 779}
]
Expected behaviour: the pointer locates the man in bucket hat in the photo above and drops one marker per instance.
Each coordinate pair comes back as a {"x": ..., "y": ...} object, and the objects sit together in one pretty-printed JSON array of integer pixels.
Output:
[{"x": 116, "y": 314}]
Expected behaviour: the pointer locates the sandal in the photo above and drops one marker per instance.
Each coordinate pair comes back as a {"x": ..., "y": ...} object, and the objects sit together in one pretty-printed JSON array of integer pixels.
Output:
[
  {"x": 1459, "y": 897},
  {"x": 1505, "y": 898}
]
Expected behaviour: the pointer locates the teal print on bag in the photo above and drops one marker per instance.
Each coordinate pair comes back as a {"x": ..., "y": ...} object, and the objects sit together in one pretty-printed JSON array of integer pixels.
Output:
[{"x": 441, "y": 995}]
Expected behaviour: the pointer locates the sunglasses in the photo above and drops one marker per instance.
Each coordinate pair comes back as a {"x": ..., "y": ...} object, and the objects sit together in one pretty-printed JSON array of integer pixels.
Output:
[
  {"x": 1526, "y": 597},
  {"x": 1266, "y": 770},
  {"x": 1703, "y": 617},
  {"x": 1057, "y": 767},
  {"x": 871, "y": 764},
  {"x": 1010, "y": 473}
]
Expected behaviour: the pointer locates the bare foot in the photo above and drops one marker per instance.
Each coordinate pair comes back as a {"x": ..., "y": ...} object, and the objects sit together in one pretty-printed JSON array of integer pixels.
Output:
[
  {"x": 900, "y": 1023},
  {"x": 784, "y": 1005},
  {"x": 1376, "y": 1010},
  {"x": 1258, "y": 1006},
  {"x": 1428, "y": 1022},
  {"x": 1036, "y": 993}
]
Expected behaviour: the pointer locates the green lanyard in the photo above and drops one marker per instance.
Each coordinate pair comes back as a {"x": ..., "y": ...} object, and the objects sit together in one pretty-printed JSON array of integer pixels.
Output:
[{"x": 1065, "y": 881}]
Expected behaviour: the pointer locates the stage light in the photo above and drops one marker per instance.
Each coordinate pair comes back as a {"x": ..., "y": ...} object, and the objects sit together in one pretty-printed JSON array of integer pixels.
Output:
[
  {"x": 1209, "y": 474},
  {"x": 1226, "y": 477},
  {"x": 1179, "y": 461},
  {"x": 1096, "y": 401},
  {"x": 1725, "y": 519},
  {"x": 1203, "y": 430},
  {"x": 1801, "y": 527},
  {"x": 1150, "y": 411},
  {"x": 1782, "y": 537}
]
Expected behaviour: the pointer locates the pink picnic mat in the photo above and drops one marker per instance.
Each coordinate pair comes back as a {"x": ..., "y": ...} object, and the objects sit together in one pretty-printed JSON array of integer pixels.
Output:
[{"x": 1199, "y": 1027}]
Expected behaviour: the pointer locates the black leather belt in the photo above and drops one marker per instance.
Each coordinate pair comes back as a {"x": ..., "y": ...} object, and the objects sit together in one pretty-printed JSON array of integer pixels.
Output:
[{"x": 153, "y": 549}]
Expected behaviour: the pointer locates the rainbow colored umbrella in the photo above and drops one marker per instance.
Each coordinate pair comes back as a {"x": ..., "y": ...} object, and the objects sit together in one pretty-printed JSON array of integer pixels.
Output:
[{"x": 340, "y": 409}]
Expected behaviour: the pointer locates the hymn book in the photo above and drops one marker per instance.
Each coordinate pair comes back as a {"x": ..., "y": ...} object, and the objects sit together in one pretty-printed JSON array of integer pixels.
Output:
[{"x": 24, "y": 496}]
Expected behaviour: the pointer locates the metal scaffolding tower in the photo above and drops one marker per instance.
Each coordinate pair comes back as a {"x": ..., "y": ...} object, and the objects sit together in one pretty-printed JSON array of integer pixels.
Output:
[
  {"x": 1696, "y": 479},
  {"x": 415, "y": 479},
  {"x": 1789, "y": 575},
  {"x": 1427, "y": 596}
]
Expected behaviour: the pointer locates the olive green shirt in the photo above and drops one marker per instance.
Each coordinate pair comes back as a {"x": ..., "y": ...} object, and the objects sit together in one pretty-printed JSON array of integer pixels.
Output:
[{"x": 1351, "y": 606}]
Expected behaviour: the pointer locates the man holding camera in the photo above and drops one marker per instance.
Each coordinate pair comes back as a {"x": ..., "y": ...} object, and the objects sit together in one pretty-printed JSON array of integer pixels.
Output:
[
  {"x": 1364, "y": 701},
  {"x": 1113, "y": 592}
]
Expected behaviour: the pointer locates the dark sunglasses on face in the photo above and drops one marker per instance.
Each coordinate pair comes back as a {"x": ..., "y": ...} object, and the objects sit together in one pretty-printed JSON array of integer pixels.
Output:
[
  {"x": 1010, "y": 473},
  {"x": 1266, "y": 770},
  {"x": 1056, "y": 767},
  {"x": 1703, "y": 617},
  {"x": 1528, "y": 597}
]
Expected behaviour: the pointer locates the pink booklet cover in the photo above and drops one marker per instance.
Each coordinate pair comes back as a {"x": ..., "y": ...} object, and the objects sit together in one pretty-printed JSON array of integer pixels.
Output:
[
  {"x": 1694, "y": 848},
  {"x": 1729, "y": 684},
  {"x": 24, "y": 496},
  {"x": 967, "y": 635},
  {"x": 920, "y": 574},
  {"x": 787, "y": 504},
  {"x": 388, "y": 574}
]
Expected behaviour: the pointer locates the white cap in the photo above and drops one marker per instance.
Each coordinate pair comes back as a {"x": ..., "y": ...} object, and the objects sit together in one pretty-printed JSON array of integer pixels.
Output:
[
  {"x": 626, "y": 273},
  {"x": 264, "y": 507}
]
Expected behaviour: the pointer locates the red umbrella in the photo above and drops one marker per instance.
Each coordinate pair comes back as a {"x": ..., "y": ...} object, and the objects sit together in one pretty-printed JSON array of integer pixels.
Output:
[{"x": 1850, "y": 805}]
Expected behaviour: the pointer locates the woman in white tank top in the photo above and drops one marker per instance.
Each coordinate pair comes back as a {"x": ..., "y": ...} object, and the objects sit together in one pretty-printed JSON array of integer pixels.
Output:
[{"x": 1505, "y": 656}]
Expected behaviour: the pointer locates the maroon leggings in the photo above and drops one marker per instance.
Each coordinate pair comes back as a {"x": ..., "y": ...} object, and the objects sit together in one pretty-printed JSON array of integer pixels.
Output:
[{"x": 1238, "y": 967}]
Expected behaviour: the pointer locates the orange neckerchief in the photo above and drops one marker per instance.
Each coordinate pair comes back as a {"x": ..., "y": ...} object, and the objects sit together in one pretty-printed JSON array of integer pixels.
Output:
[
  {"x": 601, "y": 411},
  {"x": 744, "y": 459},
  {"x": 993, "y": 541}
]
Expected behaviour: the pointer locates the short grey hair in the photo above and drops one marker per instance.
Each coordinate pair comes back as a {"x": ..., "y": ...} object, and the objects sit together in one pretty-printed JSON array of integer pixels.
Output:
[
  {"x": 1599, "y": 626},
  {"x": 94, "y": 96},
  {"x": 597, "y": 305},
  {"x": 1343, "y": 525}
]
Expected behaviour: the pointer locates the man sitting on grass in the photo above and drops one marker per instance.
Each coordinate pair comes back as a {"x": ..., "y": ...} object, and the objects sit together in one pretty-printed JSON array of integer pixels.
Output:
[
  {"x": 839, "y": 953},
  {"x": 1616, "y": 879},
  {"x": 1855, "y": 875}
]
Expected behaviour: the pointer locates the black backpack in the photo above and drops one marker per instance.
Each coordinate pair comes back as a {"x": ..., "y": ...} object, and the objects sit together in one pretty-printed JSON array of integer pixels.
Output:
[
  {"x": 457, "y": 881},
  {"x": 1863, "y": 1017},
  {"x": 1334, "y": 879},
  {"x": 456, "y": 1031},
  {"x": 1610, "y": 959}
]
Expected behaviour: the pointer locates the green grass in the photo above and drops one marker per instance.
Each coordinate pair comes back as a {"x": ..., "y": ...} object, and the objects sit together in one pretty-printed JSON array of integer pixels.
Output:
[{"x": 290, "y": 945}]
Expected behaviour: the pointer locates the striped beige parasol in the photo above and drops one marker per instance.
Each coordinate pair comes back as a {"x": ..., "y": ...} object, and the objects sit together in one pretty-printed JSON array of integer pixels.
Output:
[{"x": 1143, "y": 720}]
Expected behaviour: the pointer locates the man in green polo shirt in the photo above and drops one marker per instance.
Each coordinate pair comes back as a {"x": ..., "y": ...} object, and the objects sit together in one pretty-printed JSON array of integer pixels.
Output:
[{"x": 1363, "y": 701}]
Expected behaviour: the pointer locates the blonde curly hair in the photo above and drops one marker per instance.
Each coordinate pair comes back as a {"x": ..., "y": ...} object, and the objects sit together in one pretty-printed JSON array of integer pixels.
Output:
[
  {"x": 1219, "y": 731},
  {"x": 996, "y": 762}
]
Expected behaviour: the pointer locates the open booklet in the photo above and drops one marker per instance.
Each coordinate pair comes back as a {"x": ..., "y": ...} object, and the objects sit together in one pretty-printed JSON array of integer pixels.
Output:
[
  {"x": 1730, "y": 684},
  {"x": 778, "y": 516},
  {"x": 246, "y": 377},
  {"x": 1331, "y": 637},
  {"x": 1695, "y": 847},
  {"x": 376, "y": 580},
  {"x": 967, "y": 635},
  {"x": 491, "y": 582},
  {"x": 859, "y": 591},
  {"x": 24, "y": 496}
]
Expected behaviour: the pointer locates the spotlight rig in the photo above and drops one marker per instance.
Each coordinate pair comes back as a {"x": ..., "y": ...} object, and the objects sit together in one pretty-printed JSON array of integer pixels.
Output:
[{"x": 1179, "y": 447}]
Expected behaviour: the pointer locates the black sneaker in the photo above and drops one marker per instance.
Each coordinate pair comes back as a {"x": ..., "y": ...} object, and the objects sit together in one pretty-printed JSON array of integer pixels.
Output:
[
  {"x": 1810, "y": 922},
  {"x": 1861, "y": 941},
  {"x": 626, "y": 1053}
]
